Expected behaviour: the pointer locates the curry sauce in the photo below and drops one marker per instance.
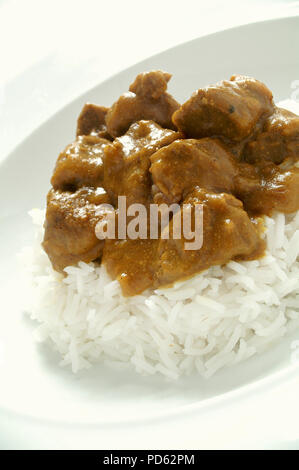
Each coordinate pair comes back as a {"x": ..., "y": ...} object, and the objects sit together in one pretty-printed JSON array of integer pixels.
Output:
[{"x": 228, "y": 149}]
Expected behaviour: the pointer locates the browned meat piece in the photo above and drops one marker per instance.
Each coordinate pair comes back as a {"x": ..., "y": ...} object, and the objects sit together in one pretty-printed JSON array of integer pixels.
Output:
[
  {"x": 127, "y": 161},
  {"x": 70, "y": 226},
  {"x": 278, "y": 140},
  {"x": 180, "y": 166},
  {"x": 80, "y": 164},
  {"x": 92, "y": 120},
  {"x": 267, "y": 188},
  {"x": 228, "y": 233},
  {"x": 232, "y": 109},
  {"x": 147, "y": 99},
  {"x": 134, "y": 276}
]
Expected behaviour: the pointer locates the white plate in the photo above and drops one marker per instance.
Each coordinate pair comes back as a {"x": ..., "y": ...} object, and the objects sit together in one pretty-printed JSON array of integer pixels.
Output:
[{"x": 42, "y": 405}]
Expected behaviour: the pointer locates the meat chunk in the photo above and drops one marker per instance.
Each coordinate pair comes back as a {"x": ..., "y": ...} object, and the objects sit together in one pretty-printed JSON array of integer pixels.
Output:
[
  {"x": 126, "y": 161},
  {"x": 180, "y": 166},
  {"x": 232, "y": 109},
  {"x": 134, "y": 276},
  {"x": 267, "y": 188},
  {"x": 92, "y": 121},
  {"x": 278, "y": 140},
  {"x": 228, "y": 233},
  {"x": 146, "y": 100},
  {"x": 70, "y": 224},
  {"x": 80, "y": 164}
]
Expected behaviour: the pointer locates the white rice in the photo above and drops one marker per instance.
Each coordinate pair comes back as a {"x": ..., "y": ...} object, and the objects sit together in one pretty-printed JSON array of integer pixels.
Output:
[{"x": 218, "y": 318}]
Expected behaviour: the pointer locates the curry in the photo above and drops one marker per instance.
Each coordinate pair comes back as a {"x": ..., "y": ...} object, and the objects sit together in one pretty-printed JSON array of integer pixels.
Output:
[{"x": 228, "y": 149}]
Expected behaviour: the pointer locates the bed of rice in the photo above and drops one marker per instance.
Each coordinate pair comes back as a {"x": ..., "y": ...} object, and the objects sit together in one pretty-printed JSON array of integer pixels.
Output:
[{"x": 218, "y": 318}]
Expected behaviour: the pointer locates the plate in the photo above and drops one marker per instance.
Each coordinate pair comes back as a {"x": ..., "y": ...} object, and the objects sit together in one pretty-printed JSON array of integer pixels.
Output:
[{"x": 43, "y": 405}]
